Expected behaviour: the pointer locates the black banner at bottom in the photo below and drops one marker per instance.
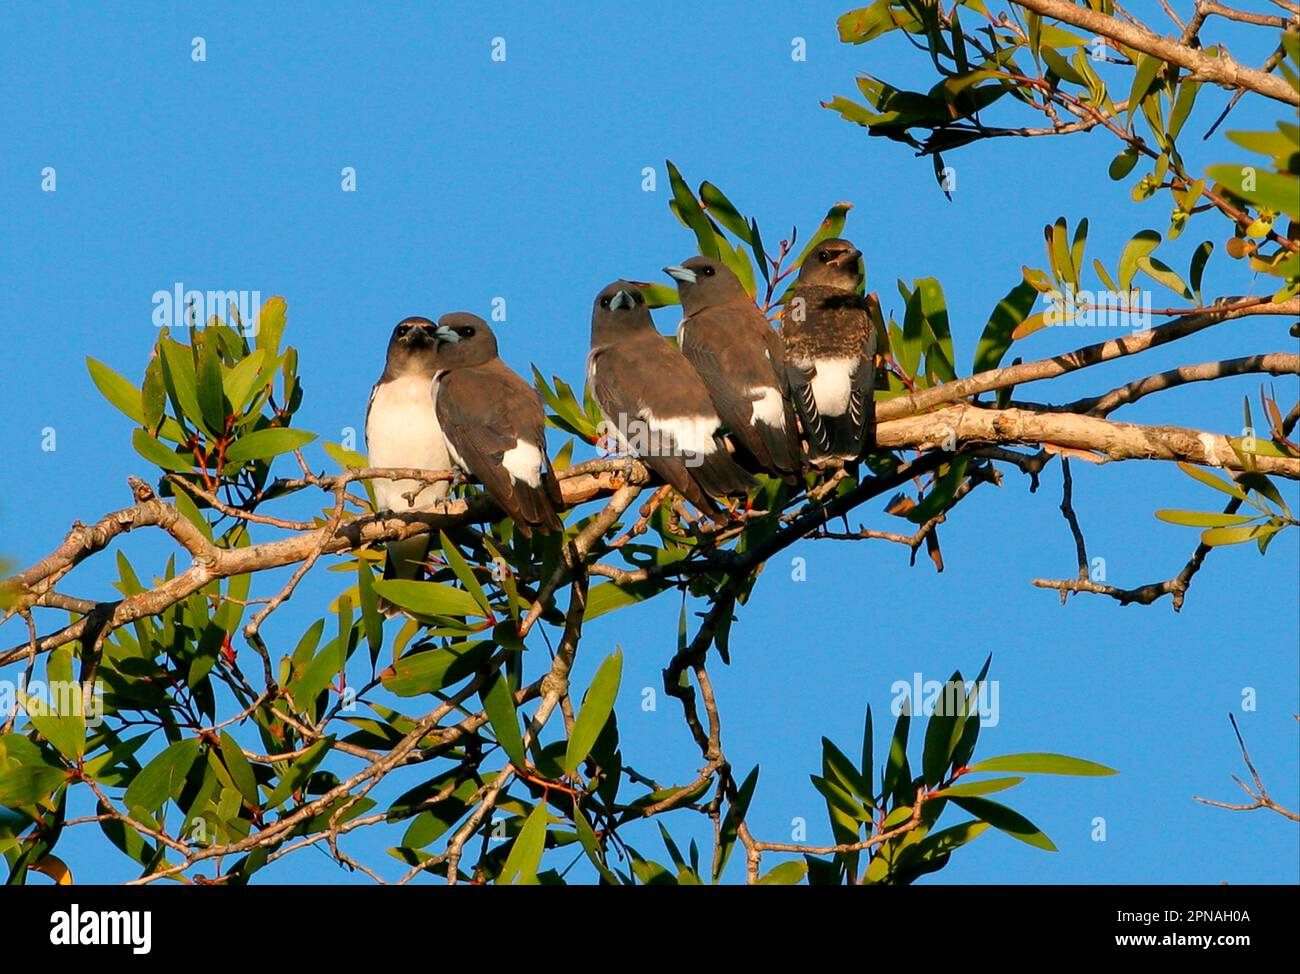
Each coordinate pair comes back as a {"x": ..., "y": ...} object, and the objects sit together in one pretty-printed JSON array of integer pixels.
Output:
[{"x": 342, "y": 924}]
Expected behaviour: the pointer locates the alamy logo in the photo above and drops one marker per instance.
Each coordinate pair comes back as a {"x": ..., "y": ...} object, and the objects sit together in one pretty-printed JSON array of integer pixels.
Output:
[
  {"x": 930, "y": 698},
  {"x": 179, "y": 308},
  {"x": 59, "y": 698},
  {"x": 73, "y": 928},
  {"x": 1098, "y": 309}
]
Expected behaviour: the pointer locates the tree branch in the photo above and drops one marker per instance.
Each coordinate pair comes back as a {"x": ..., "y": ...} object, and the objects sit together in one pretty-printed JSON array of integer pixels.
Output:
[{"x": 1222, "y": 70}]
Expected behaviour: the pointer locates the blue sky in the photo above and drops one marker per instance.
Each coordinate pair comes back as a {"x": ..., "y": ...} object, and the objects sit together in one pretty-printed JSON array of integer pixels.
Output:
[{"x": 522, "y": 180}]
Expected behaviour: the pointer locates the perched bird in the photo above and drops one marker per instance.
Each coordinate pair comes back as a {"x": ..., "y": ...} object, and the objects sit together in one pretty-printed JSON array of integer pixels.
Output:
[
  {"x": 494, "y": 424},
  {"x": 741, "y": 361},
  {"x": 830, "y": 348},
  {"x": 657, "y": 404},
  {"x": 402, "y": 431}
]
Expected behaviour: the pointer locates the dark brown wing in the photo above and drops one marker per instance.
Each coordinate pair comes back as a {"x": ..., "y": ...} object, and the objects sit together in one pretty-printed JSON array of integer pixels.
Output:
[
  {"x": 732, "y": 359},
  {"x": 484, "y": 413},
  {"x": 619, "y": 388}
]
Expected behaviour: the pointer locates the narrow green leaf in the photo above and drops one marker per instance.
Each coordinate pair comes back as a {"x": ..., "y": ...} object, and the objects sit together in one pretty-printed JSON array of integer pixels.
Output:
[
  {"x": 986, "y": 787},
  {"x": 787, "y": 874},
  {"x": 117, "y": 390},
  {"x": 158, "y": 454},
  {"x": 266, "y": 443},
  {"x": 162, "y": 777},
  {"x": 597, "y": 704},
  {"x": 499, "y": 704},
  {"x": 1204, "y": 519},
  {"x": 1040, "y": 763},
  {"x": 1006, "y": 820},
  {"x": 520, "y": 867}
]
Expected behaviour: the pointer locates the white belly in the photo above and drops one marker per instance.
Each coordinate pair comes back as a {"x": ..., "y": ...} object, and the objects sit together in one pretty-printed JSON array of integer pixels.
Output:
[{"x": 403, "y": 431}]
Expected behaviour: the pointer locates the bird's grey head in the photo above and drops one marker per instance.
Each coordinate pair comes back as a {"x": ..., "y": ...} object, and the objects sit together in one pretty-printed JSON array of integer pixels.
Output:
[
  {"x": 411, "y": 348},
  {"x": 464, "y": 340},
  {"x": 834, "y": 262},
  {"x": 703, "y": 282},
  {"x": 619, "y": 309}
]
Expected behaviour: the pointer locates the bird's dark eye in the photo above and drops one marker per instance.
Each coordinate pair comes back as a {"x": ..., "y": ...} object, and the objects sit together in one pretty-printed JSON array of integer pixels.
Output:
[
  {"x": 467, "y": 331},
  {"x": 823, "y": 255},
  {"x": 604, "y": 302},
  {"x": 708, "y": 271},
  {"x": 403, "y": 329}
]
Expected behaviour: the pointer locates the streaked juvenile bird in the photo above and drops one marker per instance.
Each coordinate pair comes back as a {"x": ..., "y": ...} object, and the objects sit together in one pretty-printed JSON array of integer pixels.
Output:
[
  {"x": 655, "y": 401},
  {"x": 494, "y": 424},
  {"x": 741, "y": 361},
  {"x": 402, "y": 431},
  {"x": 830, "y": 347}
]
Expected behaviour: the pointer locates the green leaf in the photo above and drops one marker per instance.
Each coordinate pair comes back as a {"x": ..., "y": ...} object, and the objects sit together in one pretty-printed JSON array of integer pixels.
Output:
[
  {"x": 944, "y": 842},
  {"x": 939, "y": 734},
  {"x": 1006, "y": 318},
  {"x": 460, "y": 568},
  {"x": 520, "y": 867},
  {"x": 736, "y": 812},
  {"x": 270, "y": 325},
  {"x": 1278, "y": 192},
  {"x": 428, "y": 598},
  {"x": 597, "y": 704},
  {"x": 372, "y": 622},
  {"x": 614, "y": 595},
  {"x": 158, "y": 454},
  {"x": 66, "y": 731},
  {"x": 787, "y": 874},
  {"x": 1204, "y": 519},
  {"x": 299, "y": 772},
  {"x": 591, "y": 845},
  {"x": 117, "y": 390},
  {"x": 1038, "y": 763},
  {"x": 240, "y": 381},
  {"x": 1140, "y": 246},
  {"x": 241, "y": 772},
  {"x": 209, "y": 388},
  {"x": 181, "y": 382},
  {"x": 1061, "y": 67},
  {"x": 1182, "y": 106},
  {"x": 986, "y": 787},
  {"x": 162, "y": 777},
  {"x": 1123, "y": 164},
  {"x": 1006, "y": 820},
  {"x": 722, "y": 210},
  {"x": 499, "y": 704},
  {"x": 1226, "y": 536},
  {"x": 1210, "y": 480},
  {"x": 1058, "y": 250},
  {"x": 266, "y": 443},
  {"x": 1147, "y": 67},
  {"x": 26, "y": 785},
  {"x": 1166, "y": 275},
  {"x": 689, "y": 211},
  {"x": 832, "y": 225},
  {"x": 897, "y": 773},
  {"x": 347, "y": 459},
  {"x": 433, "y": 669},
  {"x": 836, "y": 765}
]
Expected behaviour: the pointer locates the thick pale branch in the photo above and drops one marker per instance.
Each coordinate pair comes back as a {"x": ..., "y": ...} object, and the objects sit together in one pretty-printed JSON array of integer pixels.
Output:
[
  {"x": 970, "y": 425},
  {"x": 1222, "y": 70},
  {"x": 1081, "y": 358}
]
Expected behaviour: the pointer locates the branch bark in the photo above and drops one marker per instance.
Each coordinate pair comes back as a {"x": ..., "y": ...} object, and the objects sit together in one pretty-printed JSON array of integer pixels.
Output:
[{"x": 1222, "y": 70}]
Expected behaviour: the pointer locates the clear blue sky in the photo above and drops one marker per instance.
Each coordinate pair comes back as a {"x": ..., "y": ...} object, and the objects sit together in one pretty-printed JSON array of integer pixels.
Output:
[{"x": 522, "y": 179}]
